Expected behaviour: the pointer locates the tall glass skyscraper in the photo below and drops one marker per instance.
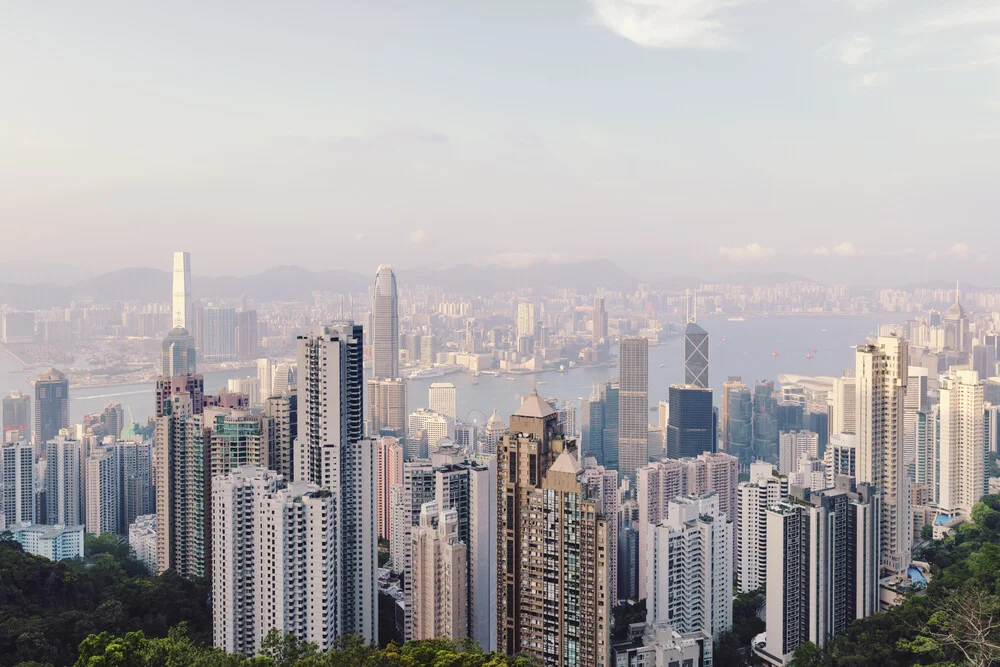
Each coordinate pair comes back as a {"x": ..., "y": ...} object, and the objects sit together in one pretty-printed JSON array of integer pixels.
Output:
[
  {"x": 385, "y": 324},
  {"x": 695, "y": 355},
  {"x": 691, "y": 425},
  {"x": 51, "y": 406}
]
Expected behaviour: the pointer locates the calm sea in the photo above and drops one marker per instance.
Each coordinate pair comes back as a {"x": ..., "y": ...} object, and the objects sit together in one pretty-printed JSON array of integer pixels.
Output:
[{"x": 746, "y": 351}]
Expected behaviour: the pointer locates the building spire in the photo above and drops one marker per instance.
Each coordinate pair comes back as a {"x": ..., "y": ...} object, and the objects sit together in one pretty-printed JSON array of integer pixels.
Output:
[{"x": 958, "y": 292}]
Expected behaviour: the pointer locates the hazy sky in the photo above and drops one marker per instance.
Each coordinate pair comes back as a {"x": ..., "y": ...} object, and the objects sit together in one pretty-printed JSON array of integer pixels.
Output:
[{"x": 834, "y": 138}]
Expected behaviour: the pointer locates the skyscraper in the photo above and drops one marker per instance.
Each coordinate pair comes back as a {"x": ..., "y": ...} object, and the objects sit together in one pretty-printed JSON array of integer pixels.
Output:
[
  {"x": 442, "y": 397},
  {"x": 385, "y": 325},
  {"x": 691, "y": 424},
  {"x": 439, "y": 575},
  {"x": 525, "y": 320},
  {"x": 765, "y": 421},
  {"x": 17, "y": 483},
  {"x": 273, "y": 562},
  {"x": 592, "y": 428},
  {"x": 552, "y": 545},
  {"x": 63, "y": 492},
  {"x": 961, "y": 480},
  {"x": 183, "y": 485},
  {"x": 16, "y": 418},
  {"x": 881, "y": 374},
  {"x": 822, "y": 570},
  {"x": 956, "y": 326},
  {"x": 600, "y": 333},
  {"x": 390, "y": 474},
  {"x": 691, "y": 588},
  {"x": 182, "y": 316},
  {"x": 736, "y": 422},
  {"x": 633, "y": 405},
  {"x": 178, "y": 354},
  {"x": 695, "y": 351},
  {"x": 764, "y": 489},
  {"x": 51, "y": 406},
  {"x": 333, "y": 454},
  {"x": 845, "y": 413}
]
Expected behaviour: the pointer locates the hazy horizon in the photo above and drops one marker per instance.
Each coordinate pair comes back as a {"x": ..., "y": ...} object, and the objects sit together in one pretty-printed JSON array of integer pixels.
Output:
[{"x": 848, "y": 141}]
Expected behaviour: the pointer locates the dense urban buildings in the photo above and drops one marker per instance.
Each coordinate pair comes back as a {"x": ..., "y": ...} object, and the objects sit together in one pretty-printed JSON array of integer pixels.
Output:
[
  {"x": 16, "y": 418},
  {"x": 691, "y": 424},
  {"x": 51, "y": 406}
]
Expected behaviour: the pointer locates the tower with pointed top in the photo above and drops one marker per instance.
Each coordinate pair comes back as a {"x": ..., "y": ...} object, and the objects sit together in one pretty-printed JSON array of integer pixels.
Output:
[
  {"x": 552, "y": 547},
  {"x": 956, "y": 326},
  {"x": 385, "y": 324},
  {"x": 695, "y": 347},
  {"x": 182, "y": 291}
]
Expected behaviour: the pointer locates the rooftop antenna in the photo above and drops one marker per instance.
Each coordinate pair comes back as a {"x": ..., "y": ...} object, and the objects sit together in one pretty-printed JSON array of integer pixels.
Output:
[
  {"x": 957, "y": 292},
  {"x": 691, "y": 306},
  {"x": 352, "y": 307},
  {"x": 341, "y": 307}
]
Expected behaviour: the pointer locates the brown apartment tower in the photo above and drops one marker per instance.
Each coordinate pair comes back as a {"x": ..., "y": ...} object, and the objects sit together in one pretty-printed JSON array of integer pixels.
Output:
[{"x": 552, "y": 547}]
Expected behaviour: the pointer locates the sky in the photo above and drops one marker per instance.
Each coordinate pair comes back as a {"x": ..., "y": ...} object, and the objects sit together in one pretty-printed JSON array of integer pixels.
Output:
[{"x": 844, "y": 140}]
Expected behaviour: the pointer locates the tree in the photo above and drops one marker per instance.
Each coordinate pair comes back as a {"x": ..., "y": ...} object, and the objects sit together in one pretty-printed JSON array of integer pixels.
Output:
[
  {"x": 927, "y": 532},
  {"x": 806, "y": 654},
  {"x": 284, "y": 649}
]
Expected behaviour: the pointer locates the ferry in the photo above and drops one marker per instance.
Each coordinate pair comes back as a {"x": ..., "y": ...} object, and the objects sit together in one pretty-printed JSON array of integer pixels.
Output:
[{"x": 738, "y": 318}]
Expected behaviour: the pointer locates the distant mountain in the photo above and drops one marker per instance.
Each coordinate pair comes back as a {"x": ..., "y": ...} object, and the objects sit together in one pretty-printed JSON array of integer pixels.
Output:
[
  {"x": 585, "y": 275},
  {"x": 747, "y": 278},
  {"x": 24, "y": 272}
]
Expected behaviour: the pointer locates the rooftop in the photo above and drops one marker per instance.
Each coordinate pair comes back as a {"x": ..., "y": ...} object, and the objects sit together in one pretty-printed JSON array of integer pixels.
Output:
[{"x": 534, "y": 407}]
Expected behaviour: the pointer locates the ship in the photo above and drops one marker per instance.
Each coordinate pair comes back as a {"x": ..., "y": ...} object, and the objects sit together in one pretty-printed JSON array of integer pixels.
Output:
[
  {"x": 809, "y": 355},
  {"x": 775, "y": 352},
  {"x": 738, "y": 318}
]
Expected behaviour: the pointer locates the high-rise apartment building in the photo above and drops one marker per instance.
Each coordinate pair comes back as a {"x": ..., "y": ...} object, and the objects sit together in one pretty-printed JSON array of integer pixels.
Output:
[
  {"x": 592, "y": 428},
  {"x": 237, "y": 438},
  {"x": 182, "y": 303},
  {"x": 754, "y": 497},
  {"x": 690, "y": 583},
  {"x": 881, "y": 375},
  {"x": 823, "y": 570},
  {"x": 525, "y": 320},
  {"x": 961, "y": 479},
  {"x": 442, "y": 398},
  {"x": 633, "y": 405},
  {"x": 385, "y": 325},
  {"x": 63, "y": 492},
  {"x": 142, "y": 539},
  {"x": 16, "y": 418},
  {"x": 51, "y": 407},
  {"x": 439, "y": 576},
  {"x": 333, "y": 454},
  {"x": 274, "y": 562},
  {"x": 792, "y": 445},
  {"x": 552, "y": 547},
  {"x": 436, "y": 426},
  {"x": 658, "y": 483},
  {"x": 844, "y": 403},
  {"x": 387, "y": 407},
  {"x": 183, "y": 484},
  {"x": 282, "y": 425},
  {"x": 17, "y": 483},
  {"x": 691, "y": 425},
  {"x": 390, "y": 473}
]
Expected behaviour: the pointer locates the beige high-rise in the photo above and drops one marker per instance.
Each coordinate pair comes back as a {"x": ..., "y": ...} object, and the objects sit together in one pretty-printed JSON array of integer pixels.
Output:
[
  {"x": 553, "y": 550},
  {"x": 390, "y": 473},
  {"x": 633, "y": 406},
  {"x": 881, "y": 374},
  {"x": 438, "y": 575},
  {"x": 960, "y": 471}
]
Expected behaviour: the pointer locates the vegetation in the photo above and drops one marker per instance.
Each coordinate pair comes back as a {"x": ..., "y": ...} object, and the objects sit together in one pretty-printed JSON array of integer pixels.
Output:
[
  {"x": 733, "y": 648},
  {"x": 136, "y": 650},
  {"x": 957, "y": 622},
  {"x": 626, "y": 614},
  {"x": 47, "y": 608}
]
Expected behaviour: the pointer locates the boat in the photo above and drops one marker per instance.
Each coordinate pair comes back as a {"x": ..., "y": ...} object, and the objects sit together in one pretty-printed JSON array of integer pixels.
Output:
[
  {"x": 541, "y": 382},
  {"x": 738, "y": 318},
  {"x": 775, "y": 353},
  {"x": 809, "y": 355},
  {"x": 661, "y": 365},
  {"x": 724, "y": 339}
]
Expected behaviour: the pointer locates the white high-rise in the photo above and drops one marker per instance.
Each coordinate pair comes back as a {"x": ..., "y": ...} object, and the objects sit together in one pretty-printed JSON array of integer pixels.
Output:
[
  {"x": 844, "y": 398},
  {"x": 17, "y": 483},
  {"x": 182, "y": 291},
  {"x": 332, "y": 453},
  {"x": 525, "y": 319},
  {"x": 660, "y": 482},
  {"x": 385, "y": 325},
  {"x": 691, "y": 581},
  {"x": 881, "y": 375},
  {"x": 102, "y": 492},
  {"x": 764, "y": 489},
  {"x": 961, "y": 473},
  {"x": 63, "y": 492},
  {"x": 792, "y": 445},
  {"x": 442, "y": 397},
  {"x": 274, "y": 561}
]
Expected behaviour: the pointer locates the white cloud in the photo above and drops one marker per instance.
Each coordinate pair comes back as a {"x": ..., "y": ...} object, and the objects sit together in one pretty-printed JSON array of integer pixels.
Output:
[
  {"x": 864, "y": 5},
  {"x": 520, "y": 260},
  {"x": 854, "y": 49},
  {"x": 668, "y": 24},
  {"x": 822, "y": 251},
  {"x": 418, "y": 236},
  {"x": 871, "y": 80},
  {"x": 846, "y": 249},
  {"x": 959, "y": 251},
  {"x": 750, "y": 252}
]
